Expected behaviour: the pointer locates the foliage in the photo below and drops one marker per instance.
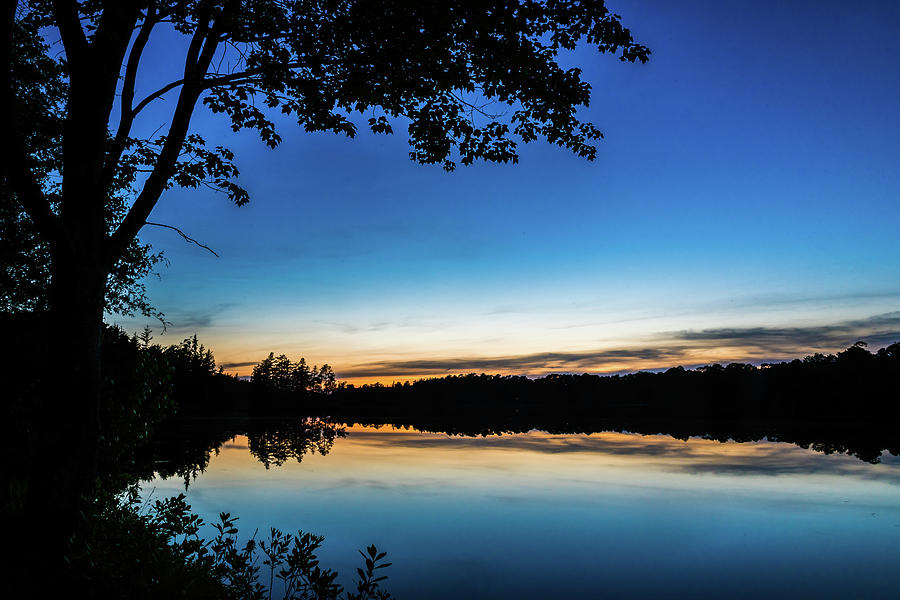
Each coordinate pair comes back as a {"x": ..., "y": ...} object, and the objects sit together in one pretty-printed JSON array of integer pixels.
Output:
[
  {"x": 156, "y": 550},
  {"x": 472, "y": 80},
  {"x": 197, "y": 386},
  {"x": 138, "y": 393},
  {"x": 279, "y": 373},
  {"x": 191, "y": 358},
  {"x": 40, "y": 84}
]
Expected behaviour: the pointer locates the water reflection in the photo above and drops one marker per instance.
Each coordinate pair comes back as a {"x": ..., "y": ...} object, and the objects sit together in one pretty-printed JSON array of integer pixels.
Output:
[
  {"x": 183, "y": 448},
  {"x": 538, "y": 515},
  {"x": 293, "y": 440},
  {"x": 691, "y": 455}
]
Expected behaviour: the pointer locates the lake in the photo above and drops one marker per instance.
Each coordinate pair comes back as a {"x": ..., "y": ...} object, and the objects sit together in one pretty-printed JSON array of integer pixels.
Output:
[{"x": 536, "y": 515}]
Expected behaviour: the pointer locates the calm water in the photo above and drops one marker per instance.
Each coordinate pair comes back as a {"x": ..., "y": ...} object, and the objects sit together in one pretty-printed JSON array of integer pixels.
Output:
[{"x": 604, "y": 515}]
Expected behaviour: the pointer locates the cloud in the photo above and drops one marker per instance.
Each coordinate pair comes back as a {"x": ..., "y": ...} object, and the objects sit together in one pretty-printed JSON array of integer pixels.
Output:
[
  {"x": 757, "y": 300},
  {"x": 412, "y": 322},
  {"x": 528, "y": 363},
  {"x": 197, "y": 318},
  {"x": 236, "y": 365},
  {"x": 356, "y": 329},
  {"x": 784, "y": 464},
  {"x": 877, "y": 330},
  {"x": 750, "y": 344},
  {"x": 630, "y": 444}
]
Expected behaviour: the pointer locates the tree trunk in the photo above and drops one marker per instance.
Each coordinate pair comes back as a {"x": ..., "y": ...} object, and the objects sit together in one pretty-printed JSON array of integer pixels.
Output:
[{"x": 66, "y": 427}]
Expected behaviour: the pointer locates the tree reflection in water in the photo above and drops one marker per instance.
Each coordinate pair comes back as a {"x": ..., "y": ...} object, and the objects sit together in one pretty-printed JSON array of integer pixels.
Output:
[
  {"x": 293, "y": 439},
  {"x": 182, "y": 448}
]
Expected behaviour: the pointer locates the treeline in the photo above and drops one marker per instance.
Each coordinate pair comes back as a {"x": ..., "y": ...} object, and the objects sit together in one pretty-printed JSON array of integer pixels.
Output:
[
  {"x": 844, "y": 402},
  {"x": 199, "y": 387},
  {"x": 840, "y": 401},
  {"x": 854, "y": 384}
]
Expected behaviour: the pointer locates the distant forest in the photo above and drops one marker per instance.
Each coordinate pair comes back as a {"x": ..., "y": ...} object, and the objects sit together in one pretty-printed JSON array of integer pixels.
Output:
[
  {"x": 844, "y": 402},
  {"x": 851, "y": 384},
  {"x": 854, "y": 385}
]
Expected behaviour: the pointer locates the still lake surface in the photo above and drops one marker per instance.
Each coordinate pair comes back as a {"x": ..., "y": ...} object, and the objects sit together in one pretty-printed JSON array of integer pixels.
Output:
[{"x": 537, "y": 515}]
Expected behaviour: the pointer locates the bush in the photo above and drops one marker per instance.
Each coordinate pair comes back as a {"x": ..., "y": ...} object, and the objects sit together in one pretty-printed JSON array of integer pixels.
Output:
[{"x": 155, "y": 550}]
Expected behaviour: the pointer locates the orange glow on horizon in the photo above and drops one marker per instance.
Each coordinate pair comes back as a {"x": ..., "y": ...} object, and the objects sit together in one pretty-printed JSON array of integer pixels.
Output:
[{"x": 687, "y": 357}]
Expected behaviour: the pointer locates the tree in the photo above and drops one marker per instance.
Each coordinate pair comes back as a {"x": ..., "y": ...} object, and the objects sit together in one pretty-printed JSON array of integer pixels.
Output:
[
  {"x": 262, "y": 372},
  {"x": 279, "y": 373},
  {"x": 440, "y": 67},
  {"x": 327, "y": 379},
  {"x": 191, "y": 359},
  {"x": 40, "y": 84}
]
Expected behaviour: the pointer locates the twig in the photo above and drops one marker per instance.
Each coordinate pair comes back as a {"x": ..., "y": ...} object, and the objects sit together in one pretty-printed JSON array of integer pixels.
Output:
[{"x": 186, "y": 237}]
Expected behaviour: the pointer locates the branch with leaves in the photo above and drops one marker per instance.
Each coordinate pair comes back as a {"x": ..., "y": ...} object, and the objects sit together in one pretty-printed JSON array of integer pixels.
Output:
[{"x": 468, "y": 81}]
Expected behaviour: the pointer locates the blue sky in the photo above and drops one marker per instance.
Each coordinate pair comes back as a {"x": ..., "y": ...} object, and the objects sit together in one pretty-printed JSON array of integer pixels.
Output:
[{"x": 743, "y": 206}]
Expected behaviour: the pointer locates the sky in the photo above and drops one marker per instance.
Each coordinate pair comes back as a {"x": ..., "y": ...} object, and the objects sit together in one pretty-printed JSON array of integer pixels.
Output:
[{"x": 743, "y": 206}]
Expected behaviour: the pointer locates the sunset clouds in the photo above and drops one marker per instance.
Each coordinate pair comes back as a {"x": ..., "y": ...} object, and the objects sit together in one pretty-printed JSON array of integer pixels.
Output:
[{"x": 688, "y": 348}]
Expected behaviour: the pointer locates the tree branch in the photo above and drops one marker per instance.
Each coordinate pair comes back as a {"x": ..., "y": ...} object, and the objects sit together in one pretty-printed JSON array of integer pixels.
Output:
[
  {"x": 196, "y": 45},
  {"x": 190, "y": 67},
  {"x": 479, "y": 109},
  {"x": 200, "y": 54},
  {"x": 161, "y": 91},
  {"x": 207, "y": 83},
  {"x": 186, "y": 237},
  {"x": 233, "y": 77},
  {"x": 127, "y": 113}
]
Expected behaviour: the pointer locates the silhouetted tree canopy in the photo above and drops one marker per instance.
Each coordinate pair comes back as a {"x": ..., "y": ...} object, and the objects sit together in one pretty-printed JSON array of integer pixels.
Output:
[
  {"x": 280, "y": 374},
  {"x": 41, "y": 88},
  {"x": 470, "y": 80}
]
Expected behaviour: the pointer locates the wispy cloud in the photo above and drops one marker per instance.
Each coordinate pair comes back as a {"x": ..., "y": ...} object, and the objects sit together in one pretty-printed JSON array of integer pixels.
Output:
[
  {"x": 876, "y": 329},
  {"x": 412, "y": 322},
  {"x": 528, "y": 363},
  {"x": 666, "y": 349},
  {"x": 855, "y": 297},
  {"x": 237, "y": 365},
  {"x": 196, "y": 318}
]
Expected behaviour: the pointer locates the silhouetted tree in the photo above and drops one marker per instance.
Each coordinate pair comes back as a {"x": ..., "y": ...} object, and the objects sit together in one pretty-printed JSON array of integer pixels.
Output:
[
  {"x": 437, "y": 65},
  {"x": 279, "y": 374},
  {"x": 327, "y": 379},
  {"x": 301, "y": 377},
  {"x": 41, "y": 86},
  {"x": 191, "y": 358}
]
